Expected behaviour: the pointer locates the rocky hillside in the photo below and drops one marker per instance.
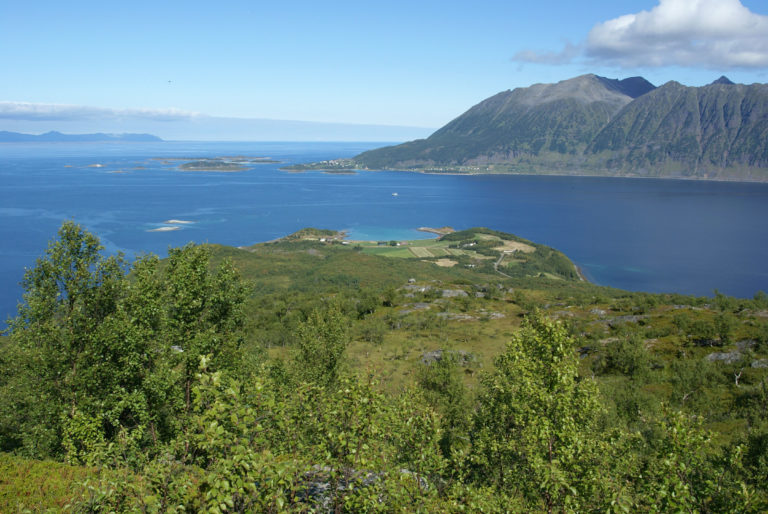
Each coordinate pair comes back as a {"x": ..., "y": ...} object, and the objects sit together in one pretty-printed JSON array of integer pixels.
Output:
[
  {"x": 594, "y": 125},
  {"x": 708, "y": 130}
]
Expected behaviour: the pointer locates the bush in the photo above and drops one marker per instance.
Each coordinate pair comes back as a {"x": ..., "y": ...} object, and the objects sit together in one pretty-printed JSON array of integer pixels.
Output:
[
  {"x": 627, "y": 356},
  {"x": 532, "y": 433}
]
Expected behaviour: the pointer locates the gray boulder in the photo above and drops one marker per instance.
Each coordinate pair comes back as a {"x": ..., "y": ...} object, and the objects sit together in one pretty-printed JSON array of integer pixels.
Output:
[
  {"x": 725, "y": 357},
  {"x": 463, "y": 357}
]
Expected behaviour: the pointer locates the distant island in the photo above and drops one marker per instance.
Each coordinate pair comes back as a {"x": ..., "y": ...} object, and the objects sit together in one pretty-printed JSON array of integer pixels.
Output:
[
  {"x": 58, "y": 137},
  {"x": 331, "y": 166},
  {"x": 218, "y": 164},
  {"x": 592, "y": 125},
  {"x": 211, "y": 165}
]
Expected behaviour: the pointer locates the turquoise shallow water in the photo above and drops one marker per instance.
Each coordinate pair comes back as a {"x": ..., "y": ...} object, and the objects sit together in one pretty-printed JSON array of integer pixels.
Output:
[{"x": 649, "y": 235}]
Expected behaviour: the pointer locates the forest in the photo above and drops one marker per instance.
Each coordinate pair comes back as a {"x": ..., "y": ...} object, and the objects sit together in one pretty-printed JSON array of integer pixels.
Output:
[{"x": 306, "y": 375}]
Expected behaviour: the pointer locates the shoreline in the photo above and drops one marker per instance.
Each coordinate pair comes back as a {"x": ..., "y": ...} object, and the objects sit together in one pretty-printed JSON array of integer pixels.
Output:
[
  {"x": 439, "y": 231},
  {"x": 581, "y": 274},
  {"x": 637, "y": 177},
  {"x": 535, "y": 174}
]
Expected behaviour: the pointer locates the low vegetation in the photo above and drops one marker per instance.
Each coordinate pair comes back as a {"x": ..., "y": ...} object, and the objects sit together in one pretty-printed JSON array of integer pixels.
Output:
[{"x": 309, "y": 375}]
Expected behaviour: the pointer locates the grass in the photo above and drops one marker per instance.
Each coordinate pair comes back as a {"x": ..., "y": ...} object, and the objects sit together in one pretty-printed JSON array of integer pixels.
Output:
[
  {"x": 388, "y": 251},
  {"x": 427, "y": 248},
  {"x": 395, "y": 359},
  {"x": 389, "y": 342},
  {"x": 421, "y": 252},
  {"x": 487, "y": 237},
  {"x": 39, "y": 486}
]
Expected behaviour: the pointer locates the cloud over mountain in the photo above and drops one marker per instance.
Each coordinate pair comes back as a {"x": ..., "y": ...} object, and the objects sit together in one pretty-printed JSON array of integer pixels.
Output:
[
  {"x": 710, "y": 33},
  {"x": 690, "y": 33},
  {"x": 25, "y": 111}
]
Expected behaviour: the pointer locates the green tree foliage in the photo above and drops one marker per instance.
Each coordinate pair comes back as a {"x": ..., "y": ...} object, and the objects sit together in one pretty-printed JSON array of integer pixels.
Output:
[
  {"x": 66, "y": 343},
  {"x": 762, "y": 336},
  {"x": 627, "y": 356},
  {"x": 95, "y": 352},
  {"x": 250, "y": 448},
  {"x": 204, "y": 311},
  {"x": 144, "y": 373},
  {"x": 725, "y": 303},
  {"x": 320, "y": 345},
  {"x": 680, "y": 470},
  {"x": 226, "y": 438},
  {"x": 532, "y": 433},
  {"x": 724, "y": 325},
  {"x": 445, "y": 392},
  {"x": 682, "y": 322},
  {"x": 756, "y": 458},
  {"x": 702, "y": 332}
]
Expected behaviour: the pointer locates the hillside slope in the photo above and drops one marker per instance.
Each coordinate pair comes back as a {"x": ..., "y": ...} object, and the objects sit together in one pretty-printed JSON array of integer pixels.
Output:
[
  {"x": 333, "y": 379},
  {"x": 705, "y": 131},
  {"x": 557, "y": 118},
  {"x": 591, "y": 125}
]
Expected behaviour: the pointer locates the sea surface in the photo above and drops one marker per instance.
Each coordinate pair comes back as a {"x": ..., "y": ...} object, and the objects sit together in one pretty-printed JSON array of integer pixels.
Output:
[{"x": 642, "y": 235}]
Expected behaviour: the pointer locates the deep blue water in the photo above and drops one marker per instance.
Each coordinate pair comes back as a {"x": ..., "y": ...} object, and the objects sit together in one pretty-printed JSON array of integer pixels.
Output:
[{"x": 647, "y": 235}]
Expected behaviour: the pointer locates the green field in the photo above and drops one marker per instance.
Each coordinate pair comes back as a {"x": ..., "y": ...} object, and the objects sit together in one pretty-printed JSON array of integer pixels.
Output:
[
  {"x": 423, "y": 249},
  {"x": 420, "y": 251},
  {"x": 388, "y": 251},
  {"x": 478, "y": 248}
]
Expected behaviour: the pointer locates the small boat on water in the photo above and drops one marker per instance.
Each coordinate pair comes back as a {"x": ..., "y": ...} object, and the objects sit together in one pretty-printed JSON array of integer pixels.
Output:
[{"x": 394, "y": 194}]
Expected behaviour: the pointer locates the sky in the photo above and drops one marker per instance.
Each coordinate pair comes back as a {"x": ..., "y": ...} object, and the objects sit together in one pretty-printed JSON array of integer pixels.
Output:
[{"x": 172, "y": 66}]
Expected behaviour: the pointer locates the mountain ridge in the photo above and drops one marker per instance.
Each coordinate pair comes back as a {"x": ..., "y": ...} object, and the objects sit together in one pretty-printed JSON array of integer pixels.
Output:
[
  {"x": 57, "y": 137},
  {"x": 592, "y": 125}
]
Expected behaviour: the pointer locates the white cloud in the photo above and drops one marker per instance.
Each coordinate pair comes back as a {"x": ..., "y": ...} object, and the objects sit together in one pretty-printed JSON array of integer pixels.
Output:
[
  {"x": 56, "y": 112},
  {"x": 693, "y": 33},
  {"x": 714, "y": 34}
]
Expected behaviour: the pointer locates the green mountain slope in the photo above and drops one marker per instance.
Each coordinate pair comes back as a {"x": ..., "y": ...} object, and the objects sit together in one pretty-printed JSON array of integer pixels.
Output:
[
  {"x": 717, "y": 130},
  {"x": 596, "y": 126},
  {"x": 557, "y": 118}
]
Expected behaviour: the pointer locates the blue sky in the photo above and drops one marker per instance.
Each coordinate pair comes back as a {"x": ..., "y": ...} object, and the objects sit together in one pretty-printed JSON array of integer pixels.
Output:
[{"x": 407, "y": 63}]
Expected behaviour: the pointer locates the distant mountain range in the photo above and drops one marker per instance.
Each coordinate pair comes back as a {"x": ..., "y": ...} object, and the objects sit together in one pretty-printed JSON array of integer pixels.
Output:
[
  {"x": 58, "y": 137},
  {"x": 591, "y": 125}
]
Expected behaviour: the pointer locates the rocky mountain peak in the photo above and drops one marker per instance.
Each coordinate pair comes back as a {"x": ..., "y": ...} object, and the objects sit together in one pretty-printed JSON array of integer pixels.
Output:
[{"x": 723, "y": 80}]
